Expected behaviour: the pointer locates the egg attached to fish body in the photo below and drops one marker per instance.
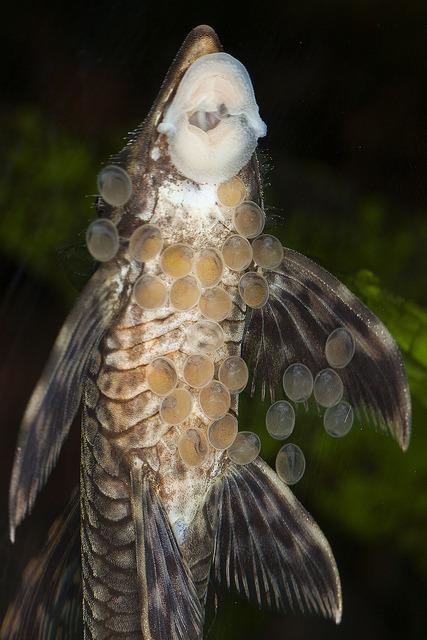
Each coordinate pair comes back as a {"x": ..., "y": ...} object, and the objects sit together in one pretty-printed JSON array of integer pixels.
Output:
[{"x": 184, "y": 312}]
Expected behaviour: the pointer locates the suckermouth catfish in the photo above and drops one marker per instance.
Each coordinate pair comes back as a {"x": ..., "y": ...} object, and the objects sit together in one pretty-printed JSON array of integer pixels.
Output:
[{"x": 190, "y": 303}]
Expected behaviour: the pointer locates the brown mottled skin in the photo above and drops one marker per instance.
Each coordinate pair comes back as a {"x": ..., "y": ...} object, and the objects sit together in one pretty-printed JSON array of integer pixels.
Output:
[{"x": 121, "y": 423}]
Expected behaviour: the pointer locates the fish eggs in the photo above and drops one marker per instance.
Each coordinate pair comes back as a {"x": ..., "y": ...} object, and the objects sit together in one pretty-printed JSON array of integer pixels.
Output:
[
  {"x": 298, "y": 382},
  {"x": 150, "y": 292},
  {"x": 245, "y": 448},
  {"x": 253, "y": 289},
  {"x": 145, "y": 243},
  {"x": 208, "y": 267},
  {"x": 248, "y": 219},
  {"x": 234, "y": 374},
  {"x": 114, "y": 185},
  {"x": 340, "y": 348},
  {"x": 222, "y": 432},
  {"x": 198, "y": 370},
  {"x": 214, "y": 400},
  {"x": 237, "y": 253},
  {"x": 280, "y": 420},
  {"x": 177, "y": 260},
  {"x": 102, "y": 240},
  {"x": 193, "y": 447},
  {"x": 268, "y": 251},
  {"x": 290, "y": 464},
  {"x": 328, "y": 388},
  {"x": 215, "y": 304},
  {"x": 205, "y": 336},
  {"x": 184, "y": 293},
  {"x": 176, "y": 406},
  {"x": 338, "y": 420},
  {"x": 161, "y": 376},
  {"x": 231, "y": 193}
]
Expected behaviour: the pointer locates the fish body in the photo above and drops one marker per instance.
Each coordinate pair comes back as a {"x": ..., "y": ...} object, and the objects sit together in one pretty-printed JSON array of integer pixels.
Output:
[
  {"x": 122, "y": 428},
  {"x": 156, "y": 531}
]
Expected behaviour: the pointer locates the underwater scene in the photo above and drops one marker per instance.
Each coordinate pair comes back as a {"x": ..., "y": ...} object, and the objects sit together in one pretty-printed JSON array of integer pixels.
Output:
[{"x": 228, "y": 261}]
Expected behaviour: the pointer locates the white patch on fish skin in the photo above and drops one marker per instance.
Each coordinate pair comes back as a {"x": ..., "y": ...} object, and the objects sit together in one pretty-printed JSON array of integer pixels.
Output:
[
  {"x": 196, "y": 201},
  {"x": 155, "y": 153}
]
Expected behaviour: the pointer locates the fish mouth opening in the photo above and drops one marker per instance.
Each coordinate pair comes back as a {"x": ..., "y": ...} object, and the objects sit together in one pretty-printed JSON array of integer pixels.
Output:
[{"x": 207, "y": 120}]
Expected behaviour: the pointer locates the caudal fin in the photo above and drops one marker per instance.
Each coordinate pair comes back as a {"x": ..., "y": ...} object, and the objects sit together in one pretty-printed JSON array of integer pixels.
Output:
[{"x": 269, "y": 548}]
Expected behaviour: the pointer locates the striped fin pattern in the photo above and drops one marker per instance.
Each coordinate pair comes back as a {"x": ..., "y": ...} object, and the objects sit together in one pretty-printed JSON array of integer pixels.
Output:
[
  {"x": 269, "y": 549},
  {"x": 306, "y": 304},
  {"x": 56, "y": 398},
  {"x": 170, "y": 607}
]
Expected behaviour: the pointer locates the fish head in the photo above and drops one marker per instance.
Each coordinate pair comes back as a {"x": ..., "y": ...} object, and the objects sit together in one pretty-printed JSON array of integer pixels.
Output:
[{"x": 201, "y": 131}]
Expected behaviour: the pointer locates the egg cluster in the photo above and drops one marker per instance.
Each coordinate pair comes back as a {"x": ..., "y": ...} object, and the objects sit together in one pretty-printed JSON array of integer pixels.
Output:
[
  {"x": 186, "y": 279},
  {"x": 327, "y": 389}
]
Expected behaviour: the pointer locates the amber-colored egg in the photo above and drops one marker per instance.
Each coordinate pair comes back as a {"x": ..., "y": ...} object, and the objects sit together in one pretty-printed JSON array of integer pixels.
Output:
[
  {"x": 215, "y": 304},
  {"x": 150, "y": 292},
  {"x": 145, "y": 243},
  {"x": 177, "y": 260},
  {"x": 231, "y": 193},
  {"x": 184, "y": 293},
  {"x": 161, "y": 376},
  {"x": 198, "y": 370},
  {"x": 193, "y": 447},
  {"x": 208, "y": 267}
]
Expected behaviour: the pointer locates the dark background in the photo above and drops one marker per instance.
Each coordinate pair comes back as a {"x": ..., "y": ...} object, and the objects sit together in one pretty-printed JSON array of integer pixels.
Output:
[{"x": 342, "y": 87}]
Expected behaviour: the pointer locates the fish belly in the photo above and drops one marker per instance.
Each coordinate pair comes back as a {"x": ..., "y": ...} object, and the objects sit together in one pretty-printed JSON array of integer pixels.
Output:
[{"x": 121, "y": 423}]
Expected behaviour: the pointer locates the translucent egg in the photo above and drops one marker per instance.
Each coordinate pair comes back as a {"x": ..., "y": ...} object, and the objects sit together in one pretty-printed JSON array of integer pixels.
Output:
[
  {"x": 176, "y": 406},
  {"x": 145, "y": 243},
  {"x": 215, "y": 304},
  {"x": 298, "y": 382},
  {"x": 328, "y": 388},
  {"x": 102, "y": 240},
  {"x": 234, "y": 374},
  {"x": 208, "y": 267},
  {"x": 280, "y": 420},
  {"x": 114, "y": 185},
  {"x": 193, "y": 447},
  {"x": 222, "y": 432},
  {"x": 214, "y": 400},
  {"x": 198, "y": 370},
  {"x": 249, "y": 219},
  {"x": 338, "y": 419},
  {"x": 184, "y": 293},
  {"x": 231, "y": 193},
  {"x": 245, "y": 448},
  {"x": 290, "y": 463},
  {"x": 205, "y": 336},
  {"x": 161, "y": 376},
  {"x": 268, "y": 251},
  {"x": 254, "y": 290},
  {"x": 339, "y": 348},
  {"x": 177, "y": 260},
  {"x": 237, "y": 253},
  {"x": 150, "y": 292}
]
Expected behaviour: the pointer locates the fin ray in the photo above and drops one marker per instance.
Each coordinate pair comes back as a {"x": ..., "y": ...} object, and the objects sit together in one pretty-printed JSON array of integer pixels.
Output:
[
  {"x": 56, "y": 398},
  {"x": 170, "y": 607},
  {"x": 270, "y": 548},
  {"x": 309, "y": 303}
]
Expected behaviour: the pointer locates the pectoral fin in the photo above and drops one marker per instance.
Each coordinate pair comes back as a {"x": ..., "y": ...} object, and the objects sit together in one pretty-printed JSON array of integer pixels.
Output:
[
  {"x": 306, "y": 304},
  {"x": 268, "y": 547},
  {"x": 56, "y": 398},
  {"x": 170, "y": 607}
]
